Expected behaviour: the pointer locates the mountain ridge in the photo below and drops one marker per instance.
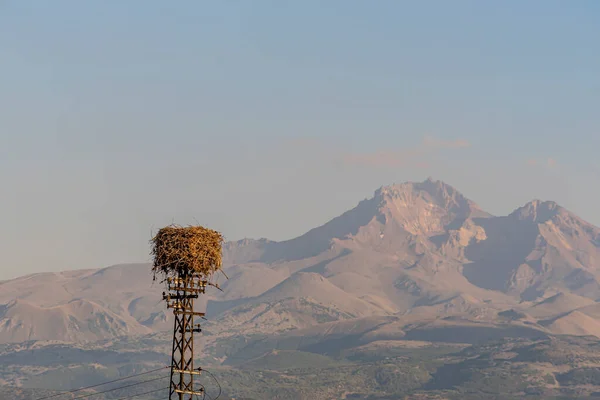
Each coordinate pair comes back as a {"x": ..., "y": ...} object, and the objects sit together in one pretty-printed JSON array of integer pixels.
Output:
[{"x": 414, "y": 248}]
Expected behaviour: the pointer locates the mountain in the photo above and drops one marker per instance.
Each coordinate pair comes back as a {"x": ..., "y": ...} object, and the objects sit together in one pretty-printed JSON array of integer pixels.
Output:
[
  {"x": 413, "y": 209},
  {"x": 574, "y": 323},
  {"x": 414, "y": 275},
  {"x": 539, "y": 248},
  {"x": 77, "y": 320},
  {"x": 558, "y": 304},
  {"x": 415, "y": 257},
  {"x": 82, "y": 305}
]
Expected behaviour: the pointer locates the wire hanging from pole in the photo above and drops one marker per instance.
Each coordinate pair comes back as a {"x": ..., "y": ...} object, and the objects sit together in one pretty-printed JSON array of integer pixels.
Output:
[
  {"x": 204, "y": 394},
  {"x": 119, "y": 388},
  {"x": 216, "y": 381},
  {"x": 104, "y": 383},
  {"x": 143, "y": 394}
]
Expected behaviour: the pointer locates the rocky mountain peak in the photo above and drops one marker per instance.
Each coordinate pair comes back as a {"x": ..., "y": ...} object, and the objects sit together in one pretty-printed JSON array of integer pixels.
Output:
[
  {"x": 425, "y": 207},
  {"x": 538, "y": 211},
  {"x": 431, "y": 191}
]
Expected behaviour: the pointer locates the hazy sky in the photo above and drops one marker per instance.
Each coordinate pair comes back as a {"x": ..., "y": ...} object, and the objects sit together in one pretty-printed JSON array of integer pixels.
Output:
[{"x": 267, "y": 118}]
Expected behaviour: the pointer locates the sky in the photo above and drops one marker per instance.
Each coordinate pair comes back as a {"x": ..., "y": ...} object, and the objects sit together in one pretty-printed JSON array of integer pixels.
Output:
[{"x": 268, "y": 118}]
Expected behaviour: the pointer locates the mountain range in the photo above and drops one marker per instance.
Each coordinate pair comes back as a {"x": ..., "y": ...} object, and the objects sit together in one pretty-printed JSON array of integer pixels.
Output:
[{"x": 418, "y": 260}]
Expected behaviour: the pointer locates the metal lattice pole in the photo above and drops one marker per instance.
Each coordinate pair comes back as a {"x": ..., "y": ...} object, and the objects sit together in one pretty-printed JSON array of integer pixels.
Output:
[{"x": 182, "y": 292}]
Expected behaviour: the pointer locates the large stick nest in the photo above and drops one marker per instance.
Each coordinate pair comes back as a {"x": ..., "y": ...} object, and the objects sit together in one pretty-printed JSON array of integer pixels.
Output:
[{"x": 191, "y": 250}]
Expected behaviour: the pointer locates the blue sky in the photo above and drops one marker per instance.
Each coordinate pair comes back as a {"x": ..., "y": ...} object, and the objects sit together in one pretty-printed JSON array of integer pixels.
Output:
[{"x": 267, "y": 118}]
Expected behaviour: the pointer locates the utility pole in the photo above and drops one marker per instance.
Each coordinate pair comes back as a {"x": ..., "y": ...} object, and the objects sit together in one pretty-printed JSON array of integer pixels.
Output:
[{"x": 183, "y": 289}]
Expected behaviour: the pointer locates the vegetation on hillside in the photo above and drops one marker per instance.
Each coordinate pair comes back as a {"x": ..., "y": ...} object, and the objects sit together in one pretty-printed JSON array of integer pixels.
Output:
[{"x": 556, "y": 368}]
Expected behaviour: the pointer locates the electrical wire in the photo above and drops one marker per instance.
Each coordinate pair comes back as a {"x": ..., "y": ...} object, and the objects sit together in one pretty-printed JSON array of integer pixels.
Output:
[
  {"x": 102, "y": 384},
  {"x": 204, "y": 394},
  {"x": 143, "y": 394},
  {"x": 120, "y": 387},
  {"x": 217, "y": 382}
]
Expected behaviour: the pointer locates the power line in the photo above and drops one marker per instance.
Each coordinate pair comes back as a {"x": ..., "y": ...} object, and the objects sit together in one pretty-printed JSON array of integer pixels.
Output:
[
  {"x": 142, "y": 394},
  {"x": 203, "y": 393},
  {"x": 119, "y": 388},
  {"x": 217, "y": 381},
  {"x": 102, "y": 384}
]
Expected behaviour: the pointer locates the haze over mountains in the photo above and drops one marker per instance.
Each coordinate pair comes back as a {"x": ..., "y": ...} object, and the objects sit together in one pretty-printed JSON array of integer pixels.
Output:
[{"x": 415, "y": 261}]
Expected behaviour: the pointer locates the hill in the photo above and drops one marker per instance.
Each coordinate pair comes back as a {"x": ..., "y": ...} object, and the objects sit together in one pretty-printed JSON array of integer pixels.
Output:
[
  {"x": 417, "y": 266},
  {"x": 416, "y": 251}
]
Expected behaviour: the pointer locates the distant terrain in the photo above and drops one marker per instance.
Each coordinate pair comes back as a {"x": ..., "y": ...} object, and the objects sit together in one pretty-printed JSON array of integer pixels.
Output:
[{"x": 373, "y": 303}]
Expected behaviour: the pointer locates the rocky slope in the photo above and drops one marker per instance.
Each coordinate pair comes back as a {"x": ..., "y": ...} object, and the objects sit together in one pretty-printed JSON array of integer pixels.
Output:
[{"x": 418, "y": 253}]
